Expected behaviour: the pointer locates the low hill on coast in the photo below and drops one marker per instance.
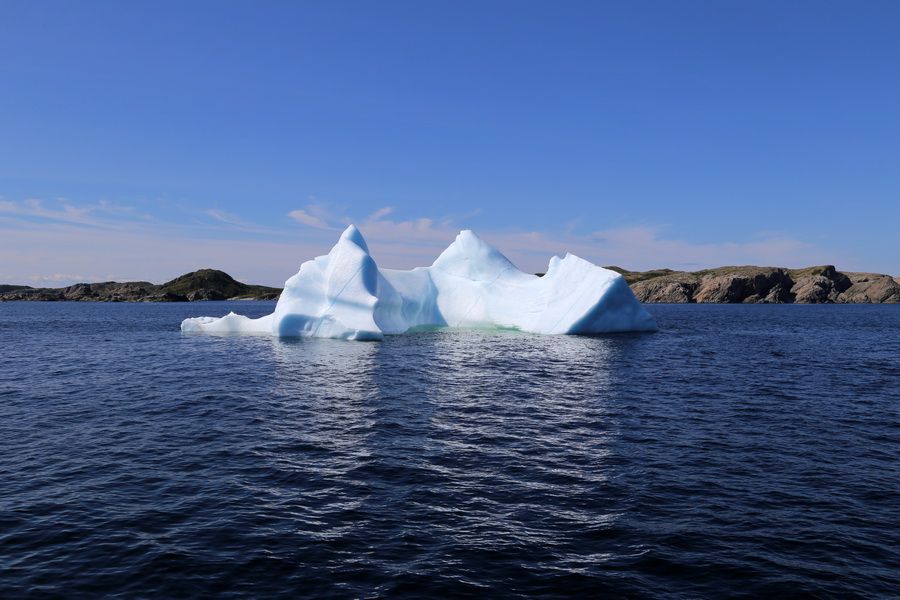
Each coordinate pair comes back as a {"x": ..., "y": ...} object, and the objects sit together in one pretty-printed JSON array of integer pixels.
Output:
[
  {"x": 747, "y": 284},
  {"x": 205, "y": 284}
]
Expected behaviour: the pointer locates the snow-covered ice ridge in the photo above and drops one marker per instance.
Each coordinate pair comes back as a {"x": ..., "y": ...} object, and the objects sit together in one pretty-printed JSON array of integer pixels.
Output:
[{"x": 345, "y": 295}]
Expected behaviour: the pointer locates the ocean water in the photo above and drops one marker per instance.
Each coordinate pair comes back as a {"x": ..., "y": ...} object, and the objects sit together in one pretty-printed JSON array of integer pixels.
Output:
[{"x": 742, "y": 451}]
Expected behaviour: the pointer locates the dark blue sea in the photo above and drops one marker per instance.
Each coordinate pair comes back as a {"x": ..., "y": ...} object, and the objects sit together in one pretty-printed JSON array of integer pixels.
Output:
[{"x": 742, "y": 451}]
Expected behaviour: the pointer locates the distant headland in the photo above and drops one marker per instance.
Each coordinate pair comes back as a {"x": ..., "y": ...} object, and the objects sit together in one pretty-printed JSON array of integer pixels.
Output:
[
  {"x": 205, "y": 284},
  {"x": 723, "y": 285}
]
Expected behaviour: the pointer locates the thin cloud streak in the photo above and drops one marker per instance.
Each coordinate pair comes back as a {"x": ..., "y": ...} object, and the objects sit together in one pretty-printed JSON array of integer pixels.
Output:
[
  {"x": 304, "y": 218},
  {"x": 313, "y": 215},
  {"x": 227, "y": 217},
  {"x": 95, "y": 215}
]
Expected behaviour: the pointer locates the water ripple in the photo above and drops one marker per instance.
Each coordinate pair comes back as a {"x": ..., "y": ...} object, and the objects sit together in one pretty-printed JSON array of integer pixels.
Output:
[{"x": 743, "y": 451}]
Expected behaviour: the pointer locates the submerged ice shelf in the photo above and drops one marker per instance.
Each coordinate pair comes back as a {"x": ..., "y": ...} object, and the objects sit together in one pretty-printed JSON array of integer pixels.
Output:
[{"x": 345, "y": 295}]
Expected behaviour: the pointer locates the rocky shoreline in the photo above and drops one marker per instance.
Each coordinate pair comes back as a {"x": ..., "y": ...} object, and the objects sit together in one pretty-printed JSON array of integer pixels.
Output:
[
  {"x": 764, "y": 285},
  {"x": 205, "y": 284},
  {"x": 724, "y": 285}
]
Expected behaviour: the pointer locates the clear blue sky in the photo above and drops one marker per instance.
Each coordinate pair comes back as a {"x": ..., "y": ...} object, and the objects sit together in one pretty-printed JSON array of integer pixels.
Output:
[{"x": 144, "y": 139}]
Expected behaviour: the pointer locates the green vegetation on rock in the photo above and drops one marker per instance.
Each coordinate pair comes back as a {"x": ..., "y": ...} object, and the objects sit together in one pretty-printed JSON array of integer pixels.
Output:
[{"x": 211, "y": 284}]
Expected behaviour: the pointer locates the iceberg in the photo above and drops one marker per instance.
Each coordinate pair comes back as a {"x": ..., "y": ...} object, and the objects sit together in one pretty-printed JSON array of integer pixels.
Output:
[{"x": 345, "y": 295}]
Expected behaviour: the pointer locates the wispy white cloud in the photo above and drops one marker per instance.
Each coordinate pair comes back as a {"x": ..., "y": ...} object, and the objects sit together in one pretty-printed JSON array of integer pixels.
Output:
[
  {"x": 381, "y": 212},
  {"x": 318, "y": 215},
  {"x": 63, "y": 211},
  {"x": 226, "y": 217},
  {"x": 304, "y": 217}
]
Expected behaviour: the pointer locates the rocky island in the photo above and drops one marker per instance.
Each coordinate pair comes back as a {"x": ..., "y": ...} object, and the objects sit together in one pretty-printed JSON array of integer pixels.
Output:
[{"x": 745, "y": 284}]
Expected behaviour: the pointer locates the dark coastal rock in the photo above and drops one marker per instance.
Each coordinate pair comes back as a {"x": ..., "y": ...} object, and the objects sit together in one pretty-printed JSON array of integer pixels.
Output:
[
  {"x": 819, "y": 285},
  {"x": 34, "y": 294},
  {"x": 165, "y": 297},
  {"x": 744, "y": 284},
  {"x": 206, "y": 284},
  {"x": 723, "y": 288},
  {"x": 205, "y": 294},
  {"x": 79, "y": 291},
  {"x": 815, "y": 289},
  {"x": 110, "y": 291},
  {"x": 871, "y": 288},
  {"x": 13, "y": 288},
  {"x": 131, "y": 291},
  {"x": 723, "y": 285},
  {"x": 771, "y": 285},
  {"x": 780, "y": 293},
  {"x": 675, "y": 288}
]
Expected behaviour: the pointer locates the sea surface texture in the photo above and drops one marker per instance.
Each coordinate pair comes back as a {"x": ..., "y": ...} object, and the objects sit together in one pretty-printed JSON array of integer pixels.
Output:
[{"x": 742, "y": 451}]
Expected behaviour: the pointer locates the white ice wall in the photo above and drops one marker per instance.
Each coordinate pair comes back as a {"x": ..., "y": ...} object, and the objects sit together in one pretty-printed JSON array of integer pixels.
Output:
[{"x": 345, "y": 295}]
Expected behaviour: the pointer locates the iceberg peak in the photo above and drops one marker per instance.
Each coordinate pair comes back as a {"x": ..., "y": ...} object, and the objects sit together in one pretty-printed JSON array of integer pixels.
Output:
[
  {"x": 471, "y": 284},
  {"x": 471, "y": 257},
  {"x": 353, "y": 235}
]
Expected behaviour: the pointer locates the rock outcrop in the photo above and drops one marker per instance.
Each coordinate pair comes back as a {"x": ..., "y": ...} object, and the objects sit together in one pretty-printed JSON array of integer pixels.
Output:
[
  {"x": 872, "y": 288},
  {"x": 772, "y": 285},
  {"x": 674, "y": 288},
  {"x": 12, "y": 288}
]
